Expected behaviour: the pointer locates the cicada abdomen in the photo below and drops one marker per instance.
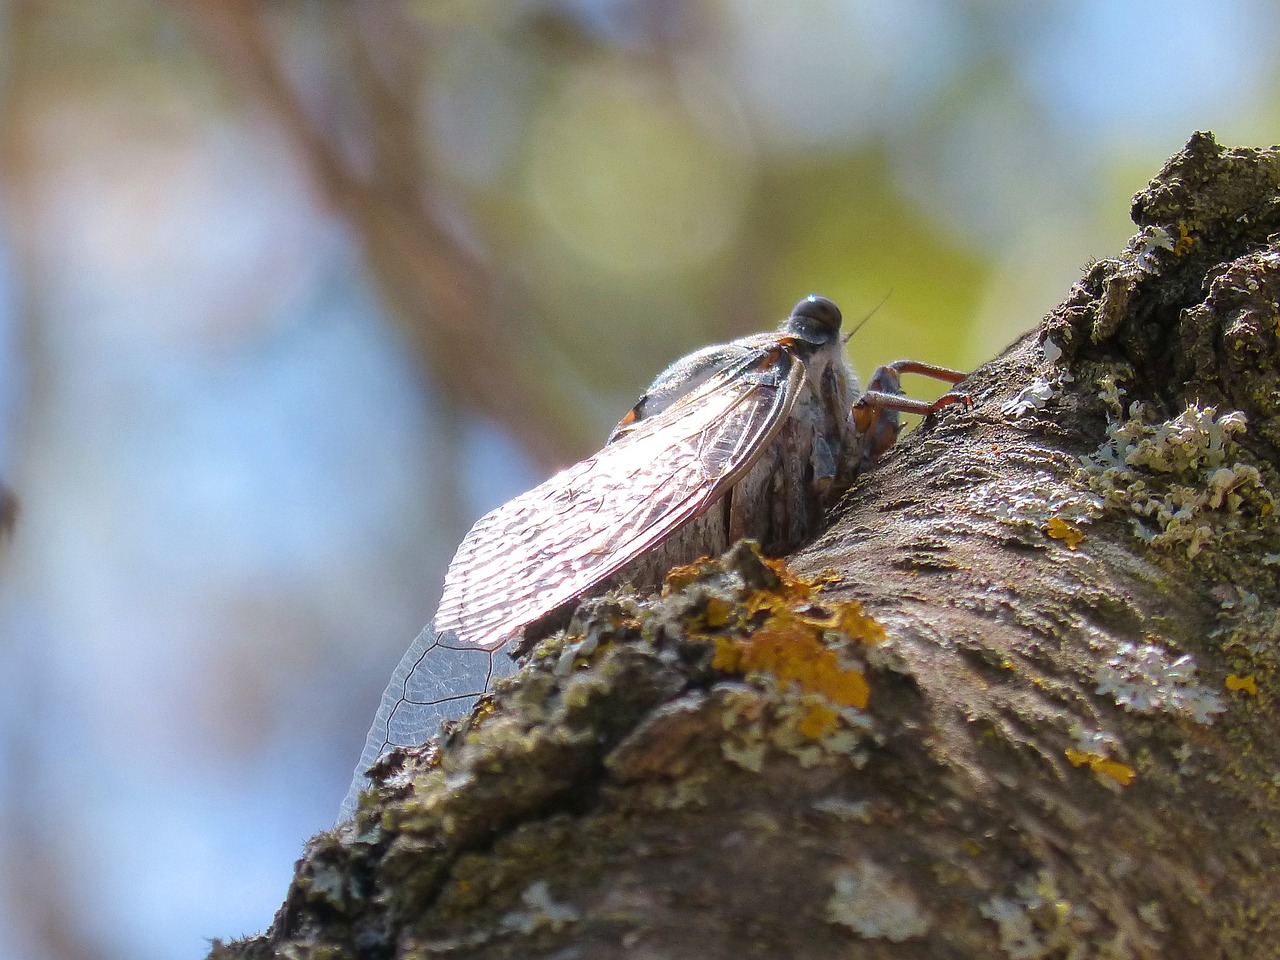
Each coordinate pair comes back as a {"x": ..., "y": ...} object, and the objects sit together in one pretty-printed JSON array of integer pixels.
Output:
[{"x": 755, "y": 438}]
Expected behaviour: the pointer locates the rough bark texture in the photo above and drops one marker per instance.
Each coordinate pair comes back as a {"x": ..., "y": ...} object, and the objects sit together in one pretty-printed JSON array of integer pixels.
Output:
[{"x": 1067, "y": 747}]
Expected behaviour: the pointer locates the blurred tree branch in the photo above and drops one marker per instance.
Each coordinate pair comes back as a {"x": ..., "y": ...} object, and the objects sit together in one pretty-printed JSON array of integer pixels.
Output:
[
  {"x": 1069, "y": 747},
  {"x": 449, "y": 302},
  {"x": 8, "y": 513},
  {"x": 41, "y": 886}
]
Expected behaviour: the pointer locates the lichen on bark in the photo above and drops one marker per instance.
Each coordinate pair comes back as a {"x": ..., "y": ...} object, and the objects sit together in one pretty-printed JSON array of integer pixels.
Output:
[{"x": 1066, "y": 747}]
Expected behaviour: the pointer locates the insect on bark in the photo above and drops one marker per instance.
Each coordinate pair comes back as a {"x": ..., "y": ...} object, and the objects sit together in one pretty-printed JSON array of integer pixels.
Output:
[{"x": 754, "y": 438}]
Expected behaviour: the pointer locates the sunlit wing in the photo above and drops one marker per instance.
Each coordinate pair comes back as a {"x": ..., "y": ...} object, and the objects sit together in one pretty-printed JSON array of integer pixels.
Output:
[
  {"x": 437, "y": 679},
  {"x": 568, "y": 535},
  {"x": 574, "y": 531}
]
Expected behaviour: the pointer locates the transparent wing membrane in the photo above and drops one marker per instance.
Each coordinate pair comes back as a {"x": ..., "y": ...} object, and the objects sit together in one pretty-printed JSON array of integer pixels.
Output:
[{"x": 438, "y": 679}]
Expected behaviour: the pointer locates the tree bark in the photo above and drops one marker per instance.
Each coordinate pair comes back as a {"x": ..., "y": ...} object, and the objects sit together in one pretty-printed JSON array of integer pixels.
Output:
[{"x": 1066, "y": 744}]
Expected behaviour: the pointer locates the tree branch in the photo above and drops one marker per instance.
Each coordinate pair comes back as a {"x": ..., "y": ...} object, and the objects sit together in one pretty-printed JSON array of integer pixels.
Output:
[{"x": 1068, "y": 746}]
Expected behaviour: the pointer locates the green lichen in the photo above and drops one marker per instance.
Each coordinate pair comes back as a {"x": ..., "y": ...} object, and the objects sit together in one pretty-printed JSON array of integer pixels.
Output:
[
  {"x": 1185, "y": 482},
  {"x": 769, "y": 717},
  {"x": 1039, "y": 921},
  {"x": 868, "y": 901},
  {"x": 1248, "y": 635}
]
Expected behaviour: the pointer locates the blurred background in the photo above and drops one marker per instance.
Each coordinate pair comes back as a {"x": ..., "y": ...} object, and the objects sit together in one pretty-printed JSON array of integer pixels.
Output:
[{"x": 291, "y": 292}]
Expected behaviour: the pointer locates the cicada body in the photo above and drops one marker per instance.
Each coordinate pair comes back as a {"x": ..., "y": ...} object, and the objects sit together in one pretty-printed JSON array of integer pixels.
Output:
[{"x": 755, "y": 438}]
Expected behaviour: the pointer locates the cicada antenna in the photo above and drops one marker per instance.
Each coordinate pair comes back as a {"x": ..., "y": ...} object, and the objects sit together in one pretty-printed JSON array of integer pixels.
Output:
[{"x": 870, "y": 313}]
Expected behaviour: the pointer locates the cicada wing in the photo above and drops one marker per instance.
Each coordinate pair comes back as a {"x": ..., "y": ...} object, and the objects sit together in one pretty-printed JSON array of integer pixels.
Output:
[
  {"x": 436, "y": 680},
  {"x": 570, "y": 534},
  {"x": 574, "y": 531}
]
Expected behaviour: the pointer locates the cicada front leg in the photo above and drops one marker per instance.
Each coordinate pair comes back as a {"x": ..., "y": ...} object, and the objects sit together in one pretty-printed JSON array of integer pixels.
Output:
[{"x": 876, "y": 412}]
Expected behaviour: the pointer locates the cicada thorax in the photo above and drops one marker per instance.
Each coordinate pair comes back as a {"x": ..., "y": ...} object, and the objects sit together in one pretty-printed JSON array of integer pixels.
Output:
[{"x": 784, "y": 499}]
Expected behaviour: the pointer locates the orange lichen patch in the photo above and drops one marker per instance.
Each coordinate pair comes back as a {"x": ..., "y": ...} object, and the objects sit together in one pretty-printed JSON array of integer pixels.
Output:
[
  {"x": 846, "y": 617},
  {"x": 781, "y": 632},
  {"x": 1117, "y": 771},
  {"x": 1246, "y": 684},
  {"x": 827, "y": 578},
  {"x": 850, "y": 619},
  {"x": 790, "y": 649},
  {"x": 765, "y": 601},
  {"x": 1059, "y": 529},
  {"x": 684, "y": 575},
  {"x": 1182, "y": 246},
  {"x": 793, "y": 588},
  {"x": 818, "y": 721},
  {"x": 719, "y": 612},
  {"x": 484, "y": 708}
]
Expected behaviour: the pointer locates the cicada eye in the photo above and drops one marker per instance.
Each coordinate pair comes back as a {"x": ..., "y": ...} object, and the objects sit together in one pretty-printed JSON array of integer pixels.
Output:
[{"x": 818, "y": 311}]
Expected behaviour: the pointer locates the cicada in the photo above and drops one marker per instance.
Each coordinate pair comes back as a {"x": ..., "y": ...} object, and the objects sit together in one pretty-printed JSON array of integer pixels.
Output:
[{"x": 753, "y": 438}]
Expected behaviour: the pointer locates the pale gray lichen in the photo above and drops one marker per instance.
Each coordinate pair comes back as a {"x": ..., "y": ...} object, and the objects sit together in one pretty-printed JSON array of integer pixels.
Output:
[
  {"x": 1153, "y": 915},
  {"x": 746, "y": 753},
  {"x": 1249, "y": 625},
  {"x": 1042, "y": 389},
  {"x": 797, "y": 715},
  {"x": 1018, "y": 936},
  {"x": 542, "y": 911},
  {"x": 1038, "y": 922},
  {"x": 1032, "y": 397},
  {"x": 467, "y": 941},
  {"x": 806, "y": 726},
  {"x": 868, "y": 901},
  {"x": 577, "y": 652},
  {"x": 1146, "y": 679},
  {"x": 1052, "y": 352},
  {"x": 1037, "y": 500},
  {"x": 1098, "y": 742},
  {"x": 1196, "y": 438},
  {"x": 330, "y": 884},
  {"x": 1038, "y": 394},
  {"x": 1149, "y": 241},
  {"x": 683, "y": 793},
  {"x": 851, "y": 811},
  {"x": 1180, "y": 479}
]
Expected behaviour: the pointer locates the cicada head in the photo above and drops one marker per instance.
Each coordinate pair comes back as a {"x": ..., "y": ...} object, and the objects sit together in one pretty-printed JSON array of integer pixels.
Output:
[{"x": 815, "y": 320}]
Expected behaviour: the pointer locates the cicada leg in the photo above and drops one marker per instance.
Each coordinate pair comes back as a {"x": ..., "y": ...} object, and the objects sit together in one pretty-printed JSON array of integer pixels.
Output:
[{"x": 876, "y": 412}]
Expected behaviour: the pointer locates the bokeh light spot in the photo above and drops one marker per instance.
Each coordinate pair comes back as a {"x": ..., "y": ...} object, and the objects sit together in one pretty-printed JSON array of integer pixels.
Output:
[{"x": 631, "y": 182}]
